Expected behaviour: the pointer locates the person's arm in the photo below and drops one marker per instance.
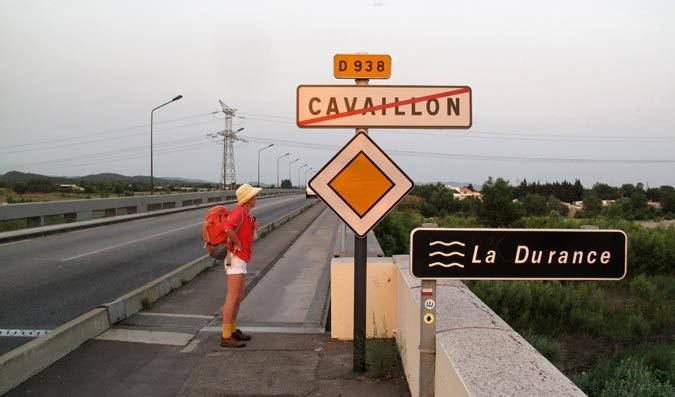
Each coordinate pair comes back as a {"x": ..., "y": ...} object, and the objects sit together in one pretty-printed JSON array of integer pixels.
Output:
[{"x": 234, "y": 220}]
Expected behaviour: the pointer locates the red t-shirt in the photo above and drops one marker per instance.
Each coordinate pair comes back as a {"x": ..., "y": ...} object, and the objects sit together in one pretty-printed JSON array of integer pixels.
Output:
[{"x": 245, "y": 233}]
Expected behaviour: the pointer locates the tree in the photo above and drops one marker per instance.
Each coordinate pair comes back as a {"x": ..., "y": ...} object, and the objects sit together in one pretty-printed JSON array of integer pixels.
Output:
[
  {"x": 654, "y": 194},
  {"x": 19, "y": 188},
  {"x": 553, "y": 204},
  {"x": 668, "y": 201},
  {"x": 286, "y": 184},
  {"x": 592, "y": 206},
  {"x": 605, "y": 192},
  {"x": 534, "y": 205},
  {"x": 498, "y": 208}
]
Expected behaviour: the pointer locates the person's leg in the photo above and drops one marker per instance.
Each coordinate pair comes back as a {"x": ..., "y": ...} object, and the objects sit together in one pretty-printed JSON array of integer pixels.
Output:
[
  {"x": 235, "y": 286},
  {"x": 236, "y": 333}
]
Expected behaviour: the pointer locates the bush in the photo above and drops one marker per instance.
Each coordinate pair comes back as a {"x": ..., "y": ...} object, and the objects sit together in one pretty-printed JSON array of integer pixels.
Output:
[
  {"x": 633, "y": 378},
  {"x": 548, "y": 347},
  {"x": 393, "y": 233},
  {"x": 625, "y": 378}
]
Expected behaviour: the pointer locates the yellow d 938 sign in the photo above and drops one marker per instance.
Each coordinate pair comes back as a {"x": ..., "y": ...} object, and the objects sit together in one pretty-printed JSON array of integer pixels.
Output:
[{"x": 361, "y": 66}]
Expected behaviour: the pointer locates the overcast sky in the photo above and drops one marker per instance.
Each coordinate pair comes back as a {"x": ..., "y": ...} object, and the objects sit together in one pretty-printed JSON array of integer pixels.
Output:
[{"x": 561, "y": 90}]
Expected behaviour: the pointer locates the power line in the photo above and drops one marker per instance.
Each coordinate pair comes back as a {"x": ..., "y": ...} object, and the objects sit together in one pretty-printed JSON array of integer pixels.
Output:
[
  {"x": 108, "y": 132},
  {"x": 475, "y": 134},
  {"x": 464, "y": 156}
]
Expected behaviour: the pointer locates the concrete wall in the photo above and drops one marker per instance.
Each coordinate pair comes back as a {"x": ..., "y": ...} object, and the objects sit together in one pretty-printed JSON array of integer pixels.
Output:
[
  {"x": 477, "y": 353},
  {"x": 380, "y": 298}
]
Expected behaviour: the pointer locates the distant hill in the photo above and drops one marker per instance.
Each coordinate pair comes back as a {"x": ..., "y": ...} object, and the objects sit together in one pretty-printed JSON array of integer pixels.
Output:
[{"x": 23, "y": 177}]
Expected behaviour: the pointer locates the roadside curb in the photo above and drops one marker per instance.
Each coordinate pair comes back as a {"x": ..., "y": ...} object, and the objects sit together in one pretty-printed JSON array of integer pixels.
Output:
[{"x": 22, "y": 363}]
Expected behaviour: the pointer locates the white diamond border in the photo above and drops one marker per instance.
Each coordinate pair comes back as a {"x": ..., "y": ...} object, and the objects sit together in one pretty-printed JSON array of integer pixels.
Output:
[{"x": 361, "y": 143}]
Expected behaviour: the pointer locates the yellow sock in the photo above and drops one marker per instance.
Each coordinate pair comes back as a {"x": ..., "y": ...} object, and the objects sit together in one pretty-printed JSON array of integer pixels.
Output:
[
  {"x": 227, "y": 330},
  {"x": 234, "y": 325}
]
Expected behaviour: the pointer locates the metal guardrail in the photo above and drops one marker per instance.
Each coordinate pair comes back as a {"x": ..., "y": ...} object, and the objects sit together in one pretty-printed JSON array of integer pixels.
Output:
[
  {"x": 37, "y": 230},
  {"x": 82, "y": 210}
]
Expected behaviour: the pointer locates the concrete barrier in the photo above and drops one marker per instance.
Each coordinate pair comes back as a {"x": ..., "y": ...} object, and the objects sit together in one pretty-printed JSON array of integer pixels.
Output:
[
  {"x": 31, "y": 358},
  {"x": 477, "y": 353}
]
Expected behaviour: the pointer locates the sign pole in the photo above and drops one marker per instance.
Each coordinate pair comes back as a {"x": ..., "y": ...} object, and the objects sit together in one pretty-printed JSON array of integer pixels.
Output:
[
  {"x": 427, "y": 375},
  {"x": 360, "y": 279},
  {"x": 360, "y": 276}
]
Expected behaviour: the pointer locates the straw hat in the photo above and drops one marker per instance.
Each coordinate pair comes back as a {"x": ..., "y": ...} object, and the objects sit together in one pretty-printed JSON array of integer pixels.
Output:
[{"x": 246, "y": 192}]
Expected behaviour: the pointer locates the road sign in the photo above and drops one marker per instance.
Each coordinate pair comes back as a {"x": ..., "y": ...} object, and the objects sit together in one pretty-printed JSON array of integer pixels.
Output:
[
  {"x": 361, "y": 184},
  {"x": 361, "y": 66},
  {"x": 518, "y": 254},
  {"x": 393, "y": 106}
]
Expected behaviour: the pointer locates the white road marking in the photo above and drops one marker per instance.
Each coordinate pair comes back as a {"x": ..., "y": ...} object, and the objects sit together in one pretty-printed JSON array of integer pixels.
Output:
[
  {"x": 282, "y": 330},
  {"x": 149, "y": 337},
  {"x": 15, "y": 242},
  {"x": 176, "y": 315},
  {"x": 191, "y": 346},
  {"x": 24, "y": 333},
  {"x": 130, "y": 242}
]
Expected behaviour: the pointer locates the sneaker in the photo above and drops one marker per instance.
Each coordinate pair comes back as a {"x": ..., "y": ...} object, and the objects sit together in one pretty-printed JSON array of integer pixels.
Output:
[
  {"x": 231, "y": 342},
  {"x": 240, "y": 335}
]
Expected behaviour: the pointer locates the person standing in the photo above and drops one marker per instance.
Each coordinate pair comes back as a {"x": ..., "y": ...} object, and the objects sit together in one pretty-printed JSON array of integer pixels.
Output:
[{"x": 240, "y": 229}]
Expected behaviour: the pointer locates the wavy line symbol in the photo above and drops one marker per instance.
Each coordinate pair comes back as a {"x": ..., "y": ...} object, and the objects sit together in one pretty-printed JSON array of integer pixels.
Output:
[
  {"x": 450, "y": 244},
  {"x": 456, "y": 252},
  {"x": 447, "y": 254},
  {"x": 453, "y": 264}
]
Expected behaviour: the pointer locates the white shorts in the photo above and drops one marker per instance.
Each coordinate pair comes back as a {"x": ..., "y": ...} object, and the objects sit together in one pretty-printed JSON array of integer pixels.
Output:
[{"x": 238, "y": 266}]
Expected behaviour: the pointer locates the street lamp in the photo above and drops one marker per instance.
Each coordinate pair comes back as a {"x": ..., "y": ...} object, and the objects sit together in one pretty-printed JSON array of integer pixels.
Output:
[
  {"x": 152, "y": 181},
  {"x": 260, "y": 150},
  {"x": 306, "y": 171},
  {"x": 289, "y": 170},
  {"x": 278, "y": 158},
  {"x": 301, "y": 167}
]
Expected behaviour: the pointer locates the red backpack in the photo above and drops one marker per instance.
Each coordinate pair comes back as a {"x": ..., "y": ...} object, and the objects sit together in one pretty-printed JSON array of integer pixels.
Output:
[{"x": 213, "y": 232}]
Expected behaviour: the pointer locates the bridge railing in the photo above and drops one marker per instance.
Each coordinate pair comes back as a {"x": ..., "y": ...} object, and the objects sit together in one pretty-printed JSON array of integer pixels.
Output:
[{"x": 83, "y": 210}]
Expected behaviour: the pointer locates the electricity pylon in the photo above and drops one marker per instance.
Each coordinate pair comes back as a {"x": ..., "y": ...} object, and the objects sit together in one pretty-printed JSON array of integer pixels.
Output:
[{"x": 228, "y": 176}]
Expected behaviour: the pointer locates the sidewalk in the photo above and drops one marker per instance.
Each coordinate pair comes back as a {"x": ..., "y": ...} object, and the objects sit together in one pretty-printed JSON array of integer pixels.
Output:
[{"x": 173, "y": 348}]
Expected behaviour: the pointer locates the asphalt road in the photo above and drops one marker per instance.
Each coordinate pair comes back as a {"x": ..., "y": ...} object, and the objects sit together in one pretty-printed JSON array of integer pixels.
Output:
[{"x": 47, "y": 281}]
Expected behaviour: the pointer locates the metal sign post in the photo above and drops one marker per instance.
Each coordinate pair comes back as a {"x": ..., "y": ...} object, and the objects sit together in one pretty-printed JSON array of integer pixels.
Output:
[
  {"x": 427, "y": 346},
  {"x": 360, "y": 281},
  {"x": 427, "y": 374}
]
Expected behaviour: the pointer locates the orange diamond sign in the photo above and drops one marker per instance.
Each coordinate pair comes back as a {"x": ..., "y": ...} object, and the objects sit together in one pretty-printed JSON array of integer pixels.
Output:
[{"x": 361, "y": 184}]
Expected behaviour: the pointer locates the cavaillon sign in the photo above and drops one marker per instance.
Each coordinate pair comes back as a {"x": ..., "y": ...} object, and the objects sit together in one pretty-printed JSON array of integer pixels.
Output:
[
  {"x": 380, "y": 106},
  {"x": 518, "y": 254}
]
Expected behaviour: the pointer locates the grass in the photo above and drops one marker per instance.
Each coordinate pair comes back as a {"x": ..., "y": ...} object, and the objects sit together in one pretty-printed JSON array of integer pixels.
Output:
[
  {"x": 382, "y": 357},
  {"x": 145, "y": 303}
]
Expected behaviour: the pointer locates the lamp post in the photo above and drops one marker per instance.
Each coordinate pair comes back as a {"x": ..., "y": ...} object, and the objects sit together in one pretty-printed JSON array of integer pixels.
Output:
[
  {"x": 152, "y": 179},
  {"x": 289, "y": 170},
  {"x": 279, "y": 158},
  {"x": 301, "y": 167},
  {"x": 306, "y": 171},
  {"x": 260, "y": 150}
]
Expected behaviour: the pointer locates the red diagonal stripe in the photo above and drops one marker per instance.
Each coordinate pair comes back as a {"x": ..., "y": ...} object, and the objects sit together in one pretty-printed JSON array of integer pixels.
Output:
[{"x": 385, "y": 106}]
